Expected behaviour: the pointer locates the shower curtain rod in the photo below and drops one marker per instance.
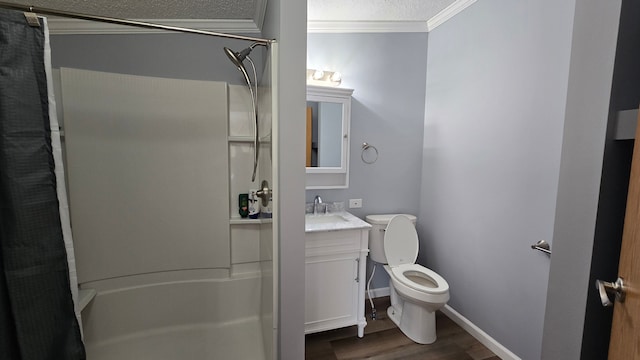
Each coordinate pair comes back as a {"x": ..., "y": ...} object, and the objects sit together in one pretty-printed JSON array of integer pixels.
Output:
[{"x": 136, "y": 23}]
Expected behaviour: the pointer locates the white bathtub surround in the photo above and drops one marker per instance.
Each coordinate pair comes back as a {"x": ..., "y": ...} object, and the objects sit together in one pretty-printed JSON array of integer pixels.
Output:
[
  {"x": 176, "y": 275},
  {"x": 147, "y": 159},
  {"x": 196, "y": 314}
]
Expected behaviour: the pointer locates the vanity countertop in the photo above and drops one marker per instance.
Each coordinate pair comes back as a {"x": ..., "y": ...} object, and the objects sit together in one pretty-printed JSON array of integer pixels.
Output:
[{"x": 333, "y": 221}]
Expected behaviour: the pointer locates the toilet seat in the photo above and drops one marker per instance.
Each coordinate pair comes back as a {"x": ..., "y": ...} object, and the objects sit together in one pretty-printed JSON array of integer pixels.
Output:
[{"x": 428, "y": 281}]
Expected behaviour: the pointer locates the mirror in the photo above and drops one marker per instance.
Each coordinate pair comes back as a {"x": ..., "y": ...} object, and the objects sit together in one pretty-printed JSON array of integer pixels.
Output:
[
  {"x": 327, "y": 138},
  {"x": 324, "y": 134}
]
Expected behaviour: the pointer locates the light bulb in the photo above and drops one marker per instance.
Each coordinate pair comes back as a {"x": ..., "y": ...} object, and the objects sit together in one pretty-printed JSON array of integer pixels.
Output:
[
  {"x": 336, "y": 77},
  {"x": 318, "y": 74}
]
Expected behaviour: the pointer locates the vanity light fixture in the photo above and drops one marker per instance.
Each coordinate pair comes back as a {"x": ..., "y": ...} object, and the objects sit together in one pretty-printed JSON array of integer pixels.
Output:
[{"x": 323, "y": 77}]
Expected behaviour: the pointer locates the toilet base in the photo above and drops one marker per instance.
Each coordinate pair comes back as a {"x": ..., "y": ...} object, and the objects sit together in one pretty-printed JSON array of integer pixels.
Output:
[{"x": 415, "y": 322}]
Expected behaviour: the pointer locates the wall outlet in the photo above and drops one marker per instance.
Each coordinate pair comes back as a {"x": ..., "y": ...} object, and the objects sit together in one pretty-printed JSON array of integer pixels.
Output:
[{"x": 355, "y": 203}]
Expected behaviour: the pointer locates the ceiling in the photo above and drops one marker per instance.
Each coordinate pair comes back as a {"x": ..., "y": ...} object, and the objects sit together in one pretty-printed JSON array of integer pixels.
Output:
[
  {"x": 246, "y": 16},
  {"x": 380, "y": 15},
  {"x": 155, "y": 9},
  {"x": 374, "y": 10}
]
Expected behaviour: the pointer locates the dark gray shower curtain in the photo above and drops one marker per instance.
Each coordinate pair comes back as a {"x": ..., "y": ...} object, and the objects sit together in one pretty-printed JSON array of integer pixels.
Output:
[{"x": 37, "y": 319}]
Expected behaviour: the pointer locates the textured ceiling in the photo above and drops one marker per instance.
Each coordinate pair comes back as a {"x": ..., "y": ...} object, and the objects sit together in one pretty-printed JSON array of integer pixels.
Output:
[
  {"x": 318, "y": 10},
  {"x": 374, "y": 10},
  {"x": 156, "y": 9}
]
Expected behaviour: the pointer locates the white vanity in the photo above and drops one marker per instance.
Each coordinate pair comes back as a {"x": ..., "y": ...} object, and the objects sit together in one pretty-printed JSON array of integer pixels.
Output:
[
  {"x": 336, "y": 244},
  {"x": 336, "y": 247}
]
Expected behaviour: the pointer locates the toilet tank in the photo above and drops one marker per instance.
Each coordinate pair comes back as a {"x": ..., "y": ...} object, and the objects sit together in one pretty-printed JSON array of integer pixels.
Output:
[{"x": 376, "y": 234}]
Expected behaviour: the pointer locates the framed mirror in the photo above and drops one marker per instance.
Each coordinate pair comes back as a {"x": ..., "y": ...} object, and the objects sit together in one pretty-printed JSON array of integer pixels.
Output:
[{"x": 327, "y": 138}]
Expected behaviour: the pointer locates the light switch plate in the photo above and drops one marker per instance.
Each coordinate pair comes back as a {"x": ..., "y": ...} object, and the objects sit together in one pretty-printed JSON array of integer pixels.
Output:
[{"x": 355, "y": 203}]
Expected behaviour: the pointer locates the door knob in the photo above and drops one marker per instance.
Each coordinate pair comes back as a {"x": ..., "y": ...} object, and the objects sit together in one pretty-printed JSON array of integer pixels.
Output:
[{"x": 617, "y": 288}]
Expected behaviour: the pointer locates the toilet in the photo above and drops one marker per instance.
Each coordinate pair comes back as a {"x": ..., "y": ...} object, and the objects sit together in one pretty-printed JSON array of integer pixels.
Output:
[{"x": 415, "y": 291}]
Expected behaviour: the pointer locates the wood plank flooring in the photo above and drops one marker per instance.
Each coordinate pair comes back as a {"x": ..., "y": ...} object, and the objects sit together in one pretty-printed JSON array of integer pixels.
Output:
[{"x": 384, "y": 341}]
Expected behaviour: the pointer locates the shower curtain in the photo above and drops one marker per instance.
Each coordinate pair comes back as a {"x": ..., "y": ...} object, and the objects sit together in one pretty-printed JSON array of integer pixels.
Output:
[{"x": 37, "y": 315}]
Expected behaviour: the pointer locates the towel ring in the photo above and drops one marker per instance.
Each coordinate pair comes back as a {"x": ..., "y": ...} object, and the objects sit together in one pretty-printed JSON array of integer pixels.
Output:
[{"x": 366, "y": 147}]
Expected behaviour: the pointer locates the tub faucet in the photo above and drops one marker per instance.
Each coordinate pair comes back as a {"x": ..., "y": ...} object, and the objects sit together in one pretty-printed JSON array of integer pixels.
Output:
[{"x": 317, "y": 201}]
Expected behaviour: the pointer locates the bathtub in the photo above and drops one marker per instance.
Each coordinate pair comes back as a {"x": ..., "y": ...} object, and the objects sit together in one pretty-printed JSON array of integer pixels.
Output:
[{"x": 185, "y": 315}]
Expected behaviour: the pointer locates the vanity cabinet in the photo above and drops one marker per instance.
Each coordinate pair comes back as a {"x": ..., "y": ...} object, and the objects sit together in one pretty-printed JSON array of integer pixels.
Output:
[{"x": 335, "y": 279}]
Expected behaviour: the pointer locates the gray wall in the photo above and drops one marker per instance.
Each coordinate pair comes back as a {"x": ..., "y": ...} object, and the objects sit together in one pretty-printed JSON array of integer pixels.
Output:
[
  {"x": 387, "y": 72},
  {"x": 179, "y": 56},
  {"x": 286, "y": 21},
  {"x": 591, "y": 71},
  {"x": 496, "y": 91}
]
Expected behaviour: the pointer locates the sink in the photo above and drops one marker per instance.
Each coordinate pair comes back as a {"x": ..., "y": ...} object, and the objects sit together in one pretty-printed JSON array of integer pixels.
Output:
[
  {"x": 324, "y": 219},
  {"x": 333, "y": 222}
]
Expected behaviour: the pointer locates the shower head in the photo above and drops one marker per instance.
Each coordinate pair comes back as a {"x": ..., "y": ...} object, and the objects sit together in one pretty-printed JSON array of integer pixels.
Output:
[{"x": 237, "y": 57}]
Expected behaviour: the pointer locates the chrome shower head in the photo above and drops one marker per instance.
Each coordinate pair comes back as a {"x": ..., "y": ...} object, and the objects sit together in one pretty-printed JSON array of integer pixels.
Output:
[{"x": 237, "y": 58}]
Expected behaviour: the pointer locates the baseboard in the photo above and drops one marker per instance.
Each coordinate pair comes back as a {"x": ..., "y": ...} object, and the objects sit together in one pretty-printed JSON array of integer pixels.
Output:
[{"x": 480, "y": 335}]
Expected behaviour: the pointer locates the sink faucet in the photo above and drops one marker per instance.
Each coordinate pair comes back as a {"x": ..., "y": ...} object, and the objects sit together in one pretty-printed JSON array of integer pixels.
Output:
[{"x": 316, "y": 201}]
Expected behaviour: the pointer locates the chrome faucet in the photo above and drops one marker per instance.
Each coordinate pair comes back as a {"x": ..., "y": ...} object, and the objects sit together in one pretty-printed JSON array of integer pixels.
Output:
[{"x": 317, "y": 201}]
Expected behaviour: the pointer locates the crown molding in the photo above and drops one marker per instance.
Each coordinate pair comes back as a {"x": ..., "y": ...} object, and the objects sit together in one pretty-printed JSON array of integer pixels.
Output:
[
  {"x": 447, "y": 13},
  {"x": 316, "y": 26},
  {"x": 375, "y": 26},
  {"x": 64, "y": 26},
  {"x": 258, "y": 17}
]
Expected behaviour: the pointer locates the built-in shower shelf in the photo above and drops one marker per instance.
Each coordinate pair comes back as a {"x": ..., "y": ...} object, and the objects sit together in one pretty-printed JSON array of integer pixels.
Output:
[
  {"x": 85, "y": 296},
  {"x": 248, "y": 139},
  {"x": 240, "y": 221}
]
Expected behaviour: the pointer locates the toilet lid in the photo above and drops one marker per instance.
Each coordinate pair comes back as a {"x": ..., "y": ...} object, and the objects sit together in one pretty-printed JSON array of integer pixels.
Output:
[{"x": 401, "y": 241}]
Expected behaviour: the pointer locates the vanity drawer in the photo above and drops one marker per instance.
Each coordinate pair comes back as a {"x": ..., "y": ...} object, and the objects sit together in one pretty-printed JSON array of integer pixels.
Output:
[{"x": 328, "y": 242}]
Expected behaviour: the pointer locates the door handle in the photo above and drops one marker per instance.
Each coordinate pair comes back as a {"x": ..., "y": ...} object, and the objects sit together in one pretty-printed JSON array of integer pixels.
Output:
[{"x": 617, "y": 288}]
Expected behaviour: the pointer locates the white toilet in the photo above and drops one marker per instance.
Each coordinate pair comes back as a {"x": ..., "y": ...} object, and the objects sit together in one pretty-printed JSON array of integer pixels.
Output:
[{"x": 416, "y": 292}]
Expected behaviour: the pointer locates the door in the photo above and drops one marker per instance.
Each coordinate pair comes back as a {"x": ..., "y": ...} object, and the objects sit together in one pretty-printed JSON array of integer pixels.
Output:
[{"x": 625, "y": 330}]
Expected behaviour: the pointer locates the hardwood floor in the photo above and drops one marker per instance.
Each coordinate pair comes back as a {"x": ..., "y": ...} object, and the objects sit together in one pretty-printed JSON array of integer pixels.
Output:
[{"x": 384, "y": 341}]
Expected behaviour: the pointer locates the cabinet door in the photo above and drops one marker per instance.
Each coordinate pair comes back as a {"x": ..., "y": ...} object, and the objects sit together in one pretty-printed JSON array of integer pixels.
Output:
[{"x": 331, "y": 292}]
